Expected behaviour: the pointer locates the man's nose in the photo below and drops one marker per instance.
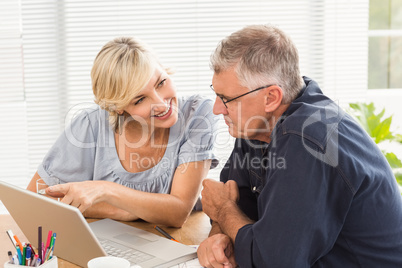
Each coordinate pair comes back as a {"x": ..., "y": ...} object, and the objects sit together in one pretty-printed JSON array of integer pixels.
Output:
[{"x": 219, "y": 107}]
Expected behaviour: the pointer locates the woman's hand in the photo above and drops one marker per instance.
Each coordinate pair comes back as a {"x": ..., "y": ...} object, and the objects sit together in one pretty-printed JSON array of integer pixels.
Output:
[{"x": 82, "y": 195}]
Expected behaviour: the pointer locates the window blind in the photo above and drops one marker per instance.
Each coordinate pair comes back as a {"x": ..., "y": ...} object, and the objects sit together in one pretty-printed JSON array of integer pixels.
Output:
[
  {"x": 13, "y": 133},
  {"x": 62, "y": 38},
  {"x": 345, "y": 50}
]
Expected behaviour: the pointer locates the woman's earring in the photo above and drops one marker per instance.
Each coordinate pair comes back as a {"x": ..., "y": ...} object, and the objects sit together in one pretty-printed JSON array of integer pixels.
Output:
[{"x": 121, "y": 123}]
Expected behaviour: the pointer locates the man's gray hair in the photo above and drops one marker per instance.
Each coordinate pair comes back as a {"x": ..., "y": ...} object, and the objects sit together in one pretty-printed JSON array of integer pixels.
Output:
[{"x": 261, "y": 55}]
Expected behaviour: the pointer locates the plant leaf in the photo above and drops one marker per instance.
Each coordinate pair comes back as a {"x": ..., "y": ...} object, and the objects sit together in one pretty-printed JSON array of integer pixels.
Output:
[
  {"x": 381, "y": 132},
  {"x": 393, "y": 160},
  {"x": 398, "y": 177},
  {"x": 377, "y": 128},
  {"x": 398, "y": 138},
  {"x": 360, "y": 112}
]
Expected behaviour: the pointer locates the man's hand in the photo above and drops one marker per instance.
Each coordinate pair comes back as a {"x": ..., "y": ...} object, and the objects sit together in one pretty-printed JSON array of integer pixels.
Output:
[
  {"x": 216, "y": 195},
  {"x": 216, "y": 251}
]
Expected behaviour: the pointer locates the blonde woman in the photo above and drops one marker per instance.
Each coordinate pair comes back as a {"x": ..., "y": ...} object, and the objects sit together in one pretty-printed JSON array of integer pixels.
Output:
[{"x": 142, "y": 152}]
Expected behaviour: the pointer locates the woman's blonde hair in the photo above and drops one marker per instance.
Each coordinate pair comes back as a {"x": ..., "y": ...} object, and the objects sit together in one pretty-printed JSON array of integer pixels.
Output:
[{"x": 120, "y": 71}]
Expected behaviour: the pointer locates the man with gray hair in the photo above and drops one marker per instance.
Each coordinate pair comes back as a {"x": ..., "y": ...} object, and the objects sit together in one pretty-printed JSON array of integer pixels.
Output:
[{"x": 305, "y": 186}]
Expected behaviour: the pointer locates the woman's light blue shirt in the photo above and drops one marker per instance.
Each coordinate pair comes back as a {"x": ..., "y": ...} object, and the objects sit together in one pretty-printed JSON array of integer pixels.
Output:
[{"x": 86, "y": 150}]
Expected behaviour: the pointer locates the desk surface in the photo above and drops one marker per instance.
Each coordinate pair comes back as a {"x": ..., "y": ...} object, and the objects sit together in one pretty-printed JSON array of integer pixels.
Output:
[{"x": 193, "y": 232}]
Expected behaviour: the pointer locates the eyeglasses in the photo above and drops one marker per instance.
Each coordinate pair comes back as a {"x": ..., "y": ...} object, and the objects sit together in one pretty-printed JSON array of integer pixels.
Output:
[{"x": 224, "y": 102}]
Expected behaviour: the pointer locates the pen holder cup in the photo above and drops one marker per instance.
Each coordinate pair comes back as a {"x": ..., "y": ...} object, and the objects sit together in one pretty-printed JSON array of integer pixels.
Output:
[{"x": 52, "y": 263}]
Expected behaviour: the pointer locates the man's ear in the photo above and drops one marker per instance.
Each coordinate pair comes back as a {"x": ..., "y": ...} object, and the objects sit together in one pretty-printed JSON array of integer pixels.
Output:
[{"x": 273, "y": 98}]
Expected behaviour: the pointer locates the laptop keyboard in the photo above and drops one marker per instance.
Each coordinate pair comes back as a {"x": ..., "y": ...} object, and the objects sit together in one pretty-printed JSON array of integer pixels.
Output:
[{"x": 132, "y": 255}]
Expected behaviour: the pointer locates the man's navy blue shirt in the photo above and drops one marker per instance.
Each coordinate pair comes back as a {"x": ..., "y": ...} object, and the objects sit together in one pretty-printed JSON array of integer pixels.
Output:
[{"x": 321, "y": 192}]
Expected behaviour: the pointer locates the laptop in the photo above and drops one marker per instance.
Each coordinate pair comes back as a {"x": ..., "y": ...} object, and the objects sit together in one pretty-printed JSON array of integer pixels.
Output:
[{"x": 78, "y": 242}]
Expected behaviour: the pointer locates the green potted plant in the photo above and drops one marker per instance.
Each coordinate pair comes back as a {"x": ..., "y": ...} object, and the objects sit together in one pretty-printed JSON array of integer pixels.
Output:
[{"x": 379, "y": 129}]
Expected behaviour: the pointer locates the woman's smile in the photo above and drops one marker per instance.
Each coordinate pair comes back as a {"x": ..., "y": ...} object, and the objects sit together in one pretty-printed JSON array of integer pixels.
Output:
[{"x": 164, "y": 115}]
